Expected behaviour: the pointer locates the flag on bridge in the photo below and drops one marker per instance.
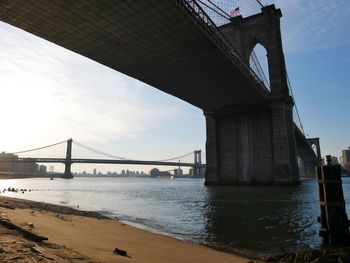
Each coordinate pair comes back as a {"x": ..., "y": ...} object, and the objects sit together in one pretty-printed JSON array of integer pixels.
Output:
[{"x": 234, "y": 12}]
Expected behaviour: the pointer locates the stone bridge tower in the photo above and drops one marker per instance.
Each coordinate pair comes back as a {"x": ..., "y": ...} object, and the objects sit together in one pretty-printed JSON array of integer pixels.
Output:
[{"x": 252, "y": 144}]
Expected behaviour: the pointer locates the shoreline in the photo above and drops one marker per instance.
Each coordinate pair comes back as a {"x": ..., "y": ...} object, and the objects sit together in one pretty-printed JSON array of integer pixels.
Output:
[
  {"x": 51, "y": 220},
  {"x": 71, "y": 210}
]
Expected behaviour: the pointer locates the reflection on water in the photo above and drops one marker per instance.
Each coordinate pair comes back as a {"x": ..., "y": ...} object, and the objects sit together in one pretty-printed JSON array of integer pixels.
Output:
[
  {"x": 261, "y": 220},
  {"x": 268, "y": 219}
]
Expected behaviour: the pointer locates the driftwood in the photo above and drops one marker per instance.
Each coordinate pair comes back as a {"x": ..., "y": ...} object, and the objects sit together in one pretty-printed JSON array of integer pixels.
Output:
[{"x": 26, "y": 233}]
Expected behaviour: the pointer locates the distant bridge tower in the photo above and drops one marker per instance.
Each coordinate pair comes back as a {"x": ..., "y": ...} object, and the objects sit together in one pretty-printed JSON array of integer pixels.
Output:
[
  {"x": 254, "y": 144},
  {"x": 197, "y": 169},
  {"x": 68, "y": 162}
]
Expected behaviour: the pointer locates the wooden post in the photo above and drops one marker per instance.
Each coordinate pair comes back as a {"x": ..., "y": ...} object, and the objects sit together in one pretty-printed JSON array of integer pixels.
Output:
[{"x": 333, "y": 218}]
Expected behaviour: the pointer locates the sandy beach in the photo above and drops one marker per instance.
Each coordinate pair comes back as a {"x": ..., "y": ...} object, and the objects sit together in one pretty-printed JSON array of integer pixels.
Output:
[{"x": 79, "y": 236}]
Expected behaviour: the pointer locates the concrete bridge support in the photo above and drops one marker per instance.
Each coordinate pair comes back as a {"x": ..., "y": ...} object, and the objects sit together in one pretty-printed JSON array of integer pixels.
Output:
[{"x": 255, "y": 144}]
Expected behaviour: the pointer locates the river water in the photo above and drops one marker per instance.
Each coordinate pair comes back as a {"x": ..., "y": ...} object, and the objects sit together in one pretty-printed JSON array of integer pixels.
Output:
[{"x": 244, "y": 220}]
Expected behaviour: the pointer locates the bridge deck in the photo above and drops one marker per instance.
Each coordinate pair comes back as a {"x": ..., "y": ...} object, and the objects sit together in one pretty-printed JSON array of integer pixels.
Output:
[
  {"x": 95, "y": 161},
  {"x": 153, "y": 41}
]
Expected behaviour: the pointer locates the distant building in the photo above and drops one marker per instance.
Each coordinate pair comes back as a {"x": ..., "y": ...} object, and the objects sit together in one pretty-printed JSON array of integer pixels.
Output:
[
  {"x": 345, "y": 156},
  {"x": 28, "y": 167},
  {"x": 42, "y": 169},
  {"x": 13, "y": 166},
  {"x": 156, "y": 173},
  {"x": 178, "y": 172},
  {"x": 8, "y": 166}
]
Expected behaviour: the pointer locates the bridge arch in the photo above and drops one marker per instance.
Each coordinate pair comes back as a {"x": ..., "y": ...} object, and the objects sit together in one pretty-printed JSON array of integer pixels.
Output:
[
  {"x": 264, "y": 29},
  {"x": 258, "y": 61},
  {"x": 255, "y": 41}
]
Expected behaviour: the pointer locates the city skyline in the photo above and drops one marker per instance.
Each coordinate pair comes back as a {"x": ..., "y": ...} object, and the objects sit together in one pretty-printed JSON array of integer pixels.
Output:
[{"x": 53, "y": 94}]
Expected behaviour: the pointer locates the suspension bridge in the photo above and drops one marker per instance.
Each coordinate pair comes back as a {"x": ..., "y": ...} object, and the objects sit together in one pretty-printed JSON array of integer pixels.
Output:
[
  {"x": 68, "y": 160},
  {"x": 199, "y": 52}
]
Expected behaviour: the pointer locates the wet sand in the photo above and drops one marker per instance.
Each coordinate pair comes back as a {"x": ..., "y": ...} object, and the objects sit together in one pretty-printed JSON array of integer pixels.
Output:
[{"x": 79, "y": 236}]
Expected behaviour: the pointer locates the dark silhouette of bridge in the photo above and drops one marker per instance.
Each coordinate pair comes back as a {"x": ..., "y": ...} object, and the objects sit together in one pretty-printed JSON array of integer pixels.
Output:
[
  {"x": 175, "y": 46},
  {"x": 196, "y": 165}
]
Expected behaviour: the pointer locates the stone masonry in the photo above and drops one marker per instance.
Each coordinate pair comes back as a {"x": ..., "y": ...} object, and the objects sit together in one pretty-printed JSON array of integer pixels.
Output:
[{"x": 255, "y": 145}]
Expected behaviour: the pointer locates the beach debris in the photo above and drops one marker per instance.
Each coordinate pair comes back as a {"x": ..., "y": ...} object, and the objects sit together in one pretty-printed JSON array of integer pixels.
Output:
[
  {"x": 120, "y": 252},
  {"x": 26, "y": 233},
  {"x": 42, "y": 253},
  {"x": 31, "y": 225},
  {"x": 14, "y": 248}
]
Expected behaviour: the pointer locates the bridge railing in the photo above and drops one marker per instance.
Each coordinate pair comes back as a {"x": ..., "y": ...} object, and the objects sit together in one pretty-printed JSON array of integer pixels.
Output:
[{"x": 195, "y": 11}]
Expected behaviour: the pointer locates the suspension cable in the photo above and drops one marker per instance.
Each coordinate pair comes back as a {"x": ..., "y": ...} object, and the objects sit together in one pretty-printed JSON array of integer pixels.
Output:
[
  {"x": 223, "y": 13},
  {"x": 219, "y": 8},
  {"x": 124, "y": 158},
  {"x": 100, "y": 152},
  {"x": 34, "y": 149},
  {"x": 176, "y": 158},
  {"x": 259, "y": 3},
  {"x": 295, "y": 104},
  {"x": 260, "y": 72}
]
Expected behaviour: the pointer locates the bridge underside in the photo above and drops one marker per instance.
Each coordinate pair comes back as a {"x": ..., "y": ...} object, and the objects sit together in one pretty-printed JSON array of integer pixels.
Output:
[
  {"x": 152, "y": 41},
  {"x": 159, "y": 44}
]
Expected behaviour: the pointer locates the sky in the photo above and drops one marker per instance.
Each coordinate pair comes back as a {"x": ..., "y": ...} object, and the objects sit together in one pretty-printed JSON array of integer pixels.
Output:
[{"x": 50, "y": 94}]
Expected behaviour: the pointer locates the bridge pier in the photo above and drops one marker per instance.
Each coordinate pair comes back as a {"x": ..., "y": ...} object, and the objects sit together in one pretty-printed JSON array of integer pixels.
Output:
[
  {"x": 67, "y": 171},
  {"x": 197, "y": 168},
  {"x": 68, "y": 162},
  {"x": 251, "y": 147}
]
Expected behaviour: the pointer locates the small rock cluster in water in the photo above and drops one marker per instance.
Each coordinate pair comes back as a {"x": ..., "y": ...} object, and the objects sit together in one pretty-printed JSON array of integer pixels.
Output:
[
  {"x": 330, "y": 255},
  {"x": 15, "y": 190}
]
